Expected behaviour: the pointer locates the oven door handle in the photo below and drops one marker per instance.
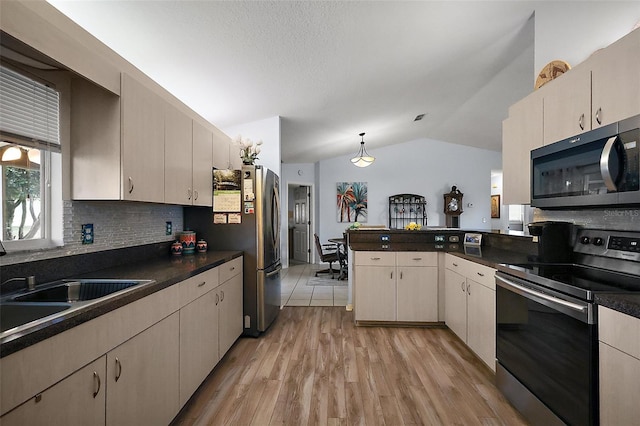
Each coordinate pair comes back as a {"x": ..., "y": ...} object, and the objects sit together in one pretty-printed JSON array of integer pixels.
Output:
[{"x": 524, "y": 290}]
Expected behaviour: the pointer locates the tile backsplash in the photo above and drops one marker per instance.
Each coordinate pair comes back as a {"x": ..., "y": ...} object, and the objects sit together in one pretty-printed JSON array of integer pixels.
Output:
[
  {"x": 116, "y": 224},
  {"x": 618, "y": 219}
]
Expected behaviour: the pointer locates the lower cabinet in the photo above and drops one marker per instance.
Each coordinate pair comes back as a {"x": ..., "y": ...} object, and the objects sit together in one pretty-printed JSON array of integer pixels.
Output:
[
  {"x": 230, "y": 312},
  {"x": 619, "y": 348},
  {"x": 77, "y": 400},
  {"x": 396, "y": 286},
  {"x": 143, "y": 377},
  {"x": 470, "y": 306}
]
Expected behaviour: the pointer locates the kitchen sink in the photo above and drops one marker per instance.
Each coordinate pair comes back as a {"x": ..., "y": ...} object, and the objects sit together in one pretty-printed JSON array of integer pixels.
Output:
[
  {"x": 30, "y": 310},
  {"x": 16, "y": 314},
  {"x": 77, "y": 291}
]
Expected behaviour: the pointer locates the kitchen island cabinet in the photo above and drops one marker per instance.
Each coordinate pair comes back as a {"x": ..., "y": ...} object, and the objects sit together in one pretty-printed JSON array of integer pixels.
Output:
[
  {"x": 470, "y": 306},
  {"x": 619, "y": 347},
  {"x": 396, "y": 286}
]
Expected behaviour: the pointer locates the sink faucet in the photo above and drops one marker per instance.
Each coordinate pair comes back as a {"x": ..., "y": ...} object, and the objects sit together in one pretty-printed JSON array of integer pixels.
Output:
[{"x": 30, "y": 281}]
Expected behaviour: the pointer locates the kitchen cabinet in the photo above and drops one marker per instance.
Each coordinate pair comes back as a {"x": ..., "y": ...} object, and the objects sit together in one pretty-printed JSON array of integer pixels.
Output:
[
  {"x": 470, "y": 305},
  {"x": 396, "y": 286},
  {"x": 77, "y": 400},
  {"x": 230, "y": 314},
  {"x": 178, "y": 154},
  {"x": 226, "y": 154},
  {"x": 615, "y": 81},
  {"x": 143, "y": 376},
  {"x": 210, "y": 322},
  {"x": 202, "y": 165},
  {"x": 521, "y": 133},
  {"x": 619, "y": 348},
  {"x": 142, "y": 124}
]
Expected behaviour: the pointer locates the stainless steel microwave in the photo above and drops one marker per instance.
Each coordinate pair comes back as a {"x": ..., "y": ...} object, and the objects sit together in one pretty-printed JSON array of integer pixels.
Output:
[{"x": 600, "y": 167}]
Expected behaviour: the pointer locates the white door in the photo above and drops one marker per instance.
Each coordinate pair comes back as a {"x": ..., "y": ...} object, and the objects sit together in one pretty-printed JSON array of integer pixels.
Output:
[{"x": 302, "y": 223}]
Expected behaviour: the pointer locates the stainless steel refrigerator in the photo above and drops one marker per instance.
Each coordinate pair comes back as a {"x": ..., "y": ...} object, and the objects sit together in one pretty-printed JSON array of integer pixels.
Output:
[{"x": 258, "y": 235}]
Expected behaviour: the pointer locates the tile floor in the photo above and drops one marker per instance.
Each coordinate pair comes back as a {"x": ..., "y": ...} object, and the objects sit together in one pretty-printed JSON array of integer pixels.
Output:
[{"x": 296, "y": 292}]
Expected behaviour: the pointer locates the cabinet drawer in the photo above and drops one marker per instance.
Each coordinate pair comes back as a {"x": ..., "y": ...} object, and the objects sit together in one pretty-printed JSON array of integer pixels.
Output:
[
  {"x": 230, "y": 269},
  {"x": 194, "y": 287},
  {"x": 455, "y": 263},
  {"x": 482, "y": 274},
  {"x": 375, "y": 258},
  {"x": 619, "y": 330},
  {"x": 416, "y": 258}
]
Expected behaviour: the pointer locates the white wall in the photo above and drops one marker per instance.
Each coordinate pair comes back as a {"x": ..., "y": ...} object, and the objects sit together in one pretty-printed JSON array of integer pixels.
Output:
[
  {"x": 268, "y": 131},
  {"x": 426, "y": 167}
]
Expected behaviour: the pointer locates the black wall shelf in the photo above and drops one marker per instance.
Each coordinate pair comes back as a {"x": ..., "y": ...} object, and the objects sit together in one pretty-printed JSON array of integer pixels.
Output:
[{"x": 405, "y": 208}]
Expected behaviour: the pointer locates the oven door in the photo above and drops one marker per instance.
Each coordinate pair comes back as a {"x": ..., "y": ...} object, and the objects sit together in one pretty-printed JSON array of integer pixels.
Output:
[{"x": 548, "y": 342}]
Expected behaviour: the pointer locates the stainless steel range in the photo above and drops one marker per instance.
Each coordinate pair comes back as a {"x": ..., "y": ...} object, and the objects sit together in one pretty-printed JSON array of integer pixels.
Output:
[{"x": 546, "y": 333}]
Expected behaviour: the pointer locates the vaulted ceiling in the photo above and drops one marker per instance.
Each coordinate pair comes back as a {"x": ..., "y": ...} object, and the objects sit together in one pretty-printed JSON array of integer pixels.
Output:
[{"x": 331, "y": 69}]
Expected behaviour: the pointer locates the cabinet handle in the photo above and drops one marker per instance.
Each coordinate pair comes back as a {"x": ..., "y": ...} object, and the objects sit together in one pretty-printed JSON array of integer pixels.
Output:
[
  {"x": 391, "y": 275},
  {"x": 96, "y": 382},
  {"x": 202, "y": 283},
  {"x": 455, "y": 264},
  {"x": 375, "y": 258},
  {"x": 581, "y": 121},
  {"x": 469, "y": 289},
  {"x": 221, "y": 296},
  {"x": 417, "y": 258},
  {"x": 599, "y": 115},
  {"x": 118, "y": 369},
  {"x": 188, "y": 193},
  {"x": 130, "y": 185},
  {"x": 38, "y": 398},
  {"x": 195, "y": 194},
  {"x": 480, "y": 273},
  {"x": 217, "y": 299},
  {"x": 462, "y": 285},
  {"x": 400, "y": 274},
  {"x": 232, "y": 268}
]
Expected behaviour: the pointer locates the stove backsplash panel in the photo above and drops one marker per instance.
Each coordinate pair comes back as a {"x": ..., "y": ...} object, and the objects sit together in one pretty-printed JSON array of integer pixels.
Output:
[{"x": 619, "y": 219}]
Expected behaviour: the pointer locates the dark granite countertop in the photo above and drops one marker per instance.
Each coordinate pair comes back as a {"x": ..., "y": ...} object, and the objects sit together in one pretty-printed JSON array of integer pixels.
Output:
[
  {"x": 166, "y": 271},
  {"x": 626, "y": 303}
]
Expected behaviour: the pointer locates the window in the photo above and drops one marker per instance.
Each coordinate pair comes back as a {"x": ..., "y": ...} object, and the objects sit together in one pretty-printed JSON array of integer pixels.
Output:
[{"x": 30, "y": 159}]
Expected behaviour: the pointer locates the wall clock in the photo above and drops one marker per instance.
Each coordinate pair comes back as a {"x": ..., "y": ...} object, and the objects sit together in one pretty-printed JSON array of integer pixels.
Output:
[{"x": 453, "y": 207}]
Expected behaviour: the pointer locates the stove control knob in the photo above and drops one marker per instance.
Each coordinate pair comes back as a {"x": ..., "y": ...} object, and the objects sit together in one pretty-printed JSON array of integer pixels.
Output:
[
  {"x": 585, "y": 240},
  {"x": 597, "y": 241}
]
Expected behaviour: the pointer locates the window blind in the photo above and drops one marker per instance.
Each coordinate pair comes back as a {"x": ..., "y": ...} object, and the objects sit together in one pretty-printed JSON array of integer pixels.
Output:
[{"x": 28, "y": 109}]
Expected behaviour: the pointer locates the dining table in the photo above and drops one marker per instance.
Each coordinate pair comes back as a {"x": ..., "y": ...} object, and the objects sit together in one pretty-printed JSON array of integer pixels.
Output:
[{"x": 341, "y": 244}]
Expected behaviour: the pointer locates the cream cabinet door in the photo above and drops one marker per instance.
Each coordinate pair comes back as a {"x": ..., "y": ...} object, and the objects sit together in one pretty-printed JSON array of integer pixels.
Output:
[
  {"x": 619, "y": 387},
  {"x": 143, "y": 376},
  {"x": 224, "y": 151},
  {"x": 202, "y": 165},
  {"x": 198, "y": 342},
  {"x": 230, "y": 313},
  {"x": 178, "y": 154},
  {"x": 142, "y": 122},
  {"x": 375, "y": 290},
  {"x": 521, "y": 133},
  {"x": 481, "y": 322},
  {"x": 567, "y": 105},
  {"x": 616, "y": 81},
  {"x": 455, "y": 288},
  {"x": 417, "y": 294},
  {"x": 77, "y": 400}
]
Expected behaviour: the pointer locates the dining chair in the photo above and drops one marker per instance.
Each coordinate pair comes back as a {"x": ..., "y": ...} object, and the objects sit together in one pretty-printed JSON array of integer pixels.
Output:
[{"x": 328, "y": 254}]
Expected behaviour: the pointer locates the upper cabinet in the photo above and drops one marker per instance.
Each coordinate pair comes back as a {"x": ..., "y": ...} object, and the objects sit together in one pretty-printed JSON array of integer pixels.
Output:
[
  {"x": 602, "y": 90},
  {"x": 521, "y": 132},
  {"x": 202, "y": 165},
  {"x": 226, "y": 154},
  {"x": 178, "y": 152},
  {"x": 615, "y": 86},
  {"x": 142, "y": 121},
  {"x": 138, "y": 147}
]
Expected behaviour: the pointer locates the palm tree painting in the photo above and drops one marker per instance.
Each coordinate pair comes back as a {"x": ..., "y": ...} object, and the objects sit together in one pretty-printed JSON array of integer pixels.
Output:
[{"x": 352, "y": 201}]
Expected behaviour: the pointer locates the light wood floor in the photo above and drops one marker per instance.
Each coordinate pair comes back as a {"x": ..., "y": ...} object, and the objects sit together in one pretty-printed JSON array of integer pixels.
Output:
[{"x": 314, "y": 367}]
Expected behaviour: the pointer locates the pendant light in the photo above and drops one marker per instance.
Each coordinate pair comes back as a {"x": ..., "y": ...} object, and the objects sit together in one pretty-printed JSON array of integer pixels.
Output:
[{"x": 362, "y": 159}]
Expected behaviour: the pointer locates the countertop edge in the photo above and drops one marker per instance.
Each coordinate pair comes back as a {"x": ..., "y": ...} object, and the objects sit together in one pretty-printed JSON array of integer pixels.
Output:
[
  {"x": 628, "y": 304},
  {"x": 165, "y": 271}
]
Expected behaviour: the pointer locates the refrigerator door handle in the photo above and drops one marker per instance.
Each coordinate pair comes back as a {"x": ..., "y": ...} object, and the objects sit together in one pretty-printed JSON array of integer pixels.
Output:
[{"x": 274, "y": 272}]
